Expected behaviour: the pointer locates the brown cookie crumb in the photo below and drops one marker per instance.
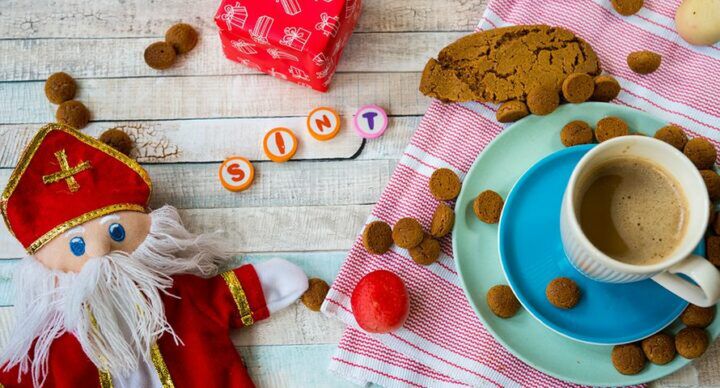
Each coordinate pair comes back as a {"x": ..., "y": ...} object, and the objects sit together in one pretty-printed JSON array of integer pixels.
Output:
[
  {"x": 563, "y": 293},
  {"x": 182, "y": 37},
  {"x": 628, "y": 359},
  {"x": 444, "y": 184},
  {"x": 543, "y": 100},
  {"x": 627, "y": 7},
  {"x": 407, "y": 233},
  {"x": 712, "y": 182},
  {"x": 610, "y": 127},
  {"x": 160, "y": 55},
  {"x": 488, "y": 206},
  {"x": 117, "y": 139},
  {"x": 673, "y": 135},
  {"x": 502, "y": 302},
  {"x": 696, "y": 316},
  {"x": 712, "y": 249},
  {"x": 606, "y": 88},
  {"x": 701, "y": 152},
  {"x": 442, "y": 221},
  {"x": 73, "y": 113},
  {"x": 315, "y": 295},
  {"x": 575, "y": 133},
  {"x": 644, "y": 62},
  {"x": 427, "y": 252},
  {"x": 377, "y": 237},
  {"x": 60, "y": 87},
  {"x": 511, "y": 111},
  {"x": 659, "y": 348},
  {"x": 578, "y": 87},
  {"x": 691, "y": 342}
]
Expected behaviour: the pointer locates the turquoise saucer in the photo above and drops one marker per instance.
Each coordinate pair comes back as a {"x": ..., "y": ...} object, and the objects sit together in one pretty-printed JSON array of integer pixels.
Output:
[{"x": 475, "y": 246}]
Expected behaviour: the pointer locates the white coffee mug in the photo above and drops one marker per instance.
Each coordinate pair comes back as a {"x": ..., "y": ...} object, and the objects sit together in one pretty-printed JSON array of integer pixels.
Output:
[{"x": 705, "y": 291}]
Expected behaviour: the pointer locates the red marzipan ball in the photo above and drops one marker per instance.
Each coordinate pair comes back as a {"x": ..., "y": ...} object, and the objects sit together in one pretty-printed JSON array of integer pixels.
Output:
[{"x": 380, "y": 302}]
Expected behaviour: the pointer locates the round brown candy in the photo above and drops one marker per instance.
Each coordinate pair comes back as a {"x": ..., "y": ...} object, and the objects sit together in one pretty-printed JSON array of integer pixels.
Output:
[
  {"x": 182, "y": 37},
  {"x": 442, "y": 221},
  {"x": 444, "y": 184},
  {"x": 543, "y": 100},
  {"x": 696, "y": 316},
  {"x": 563, "y": 293},
  {"x": 627, "y": 7},
  {"x": 511, "y": 111},
  {"x": 377, "y": 237},
  {"x": 714, "y": 220},
  {"x": 488, "y": 206},
  {"x": 160, "y": 55},
  {"x": 712, "y": 182},
  {"x": 691, "y": 342},
  {"x": 60, "y": 87},
  {"x": 701, "y": 152},
  {"x": 118, "y": 140},
  {"x": 712, "y": 249},
  {"x": 644, "y": 62},
  {"x": 659, "y": 348},
  {"x": 610, "y": 127},
  {"x": 502, "y": 302},
  {"x": 575, "y": 133},
  {"x": 628, "y": 359},
  {"x": 578, "y": 87},
  {"x": 673, "y": 135},
  {"x": 427, "y": 252},
  {"x": 606, "y": 88},
  {"x": 315, "y": 295},
  {"x": 73, "y": 113},
  {"x": 407, "y": 233}
]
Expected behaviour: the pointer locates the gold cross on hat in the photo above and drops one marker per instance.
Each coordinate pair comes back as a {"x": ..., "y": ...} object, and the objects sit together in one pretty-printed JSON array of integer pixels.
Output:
[{"x": 66, "y": 173}]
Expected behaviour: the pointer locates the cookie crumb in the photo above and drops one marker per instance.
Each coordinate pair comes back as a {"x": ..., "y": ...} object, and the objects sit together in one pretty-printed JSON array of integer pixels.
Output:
[
  {"x": 563, "y": 293},
  {"x": 712, "y": 182},
  {"x": 444, "y": 184},
  {"x": 442, "y": 221},
  {"x": 488, "y": 207},
  {"x": 673, "y": 135},
  {"x": 160, "y": 55},
  {"x": 543, "y": 100},
  {"x": 578, "y": 87},
  {"x": 701, "y": 152},
  {"x": 315, "y": 295},
  {"x": 427, "y": 252},
  {"x": 610, "y": 127},
  {"x": 606, "y": 88},
  {"x": 377, "y": 237},
  {"x": 691, "y": 342},
  {"x": 576, "y": 133},
  {"x": 60, "y": 87},
  {"x": 659, "y": 348},
  {"x": 118, "y": 140},
  {"x": 628, "y": 359},
  {"x": 712, "y": 249},
  {"x": 407, "y": 233},
  {"x": 182, "y": 37},
  {"x": 502, "y": 302},
  {"x": 627, "y": 7},
  {"x": 696, "y": 316},
  {"x": 73, "y": 113},
  {"x": 644, "y": 62},
  {"x": 511, "y": 111}
]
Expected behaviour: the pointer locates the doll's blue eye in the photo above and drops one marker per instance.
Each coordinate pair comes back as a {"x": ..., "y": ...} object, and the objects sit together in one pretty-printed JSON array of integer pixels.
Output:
[
  {"x": 77, "y": 246},
  {"x": 117, "y": 232}
]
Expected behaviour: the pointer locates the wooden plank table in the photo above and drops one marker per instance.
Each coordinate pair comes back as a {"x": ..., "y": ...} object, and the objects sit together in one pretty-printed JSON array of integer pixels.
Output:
[{"x": 187, "y": 119}]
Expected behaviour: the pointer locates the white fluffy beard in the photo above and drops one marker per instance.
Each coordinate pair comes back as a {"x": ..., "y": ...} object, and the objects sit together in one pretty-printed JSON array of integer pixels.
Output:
[{"x": 113, "y": 306}]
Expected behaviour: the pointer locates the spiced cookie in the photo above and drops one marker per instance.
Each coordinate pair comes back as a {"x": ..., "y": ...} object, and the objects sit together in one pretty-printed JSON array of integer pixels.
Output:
[
  {"x": 511, "y": 111},
  {"x": 442, "y": 221},
  {"x": 563, "y": 293},
  {"x": 407, "y": 233},
  {"x": 712, "y": 182},
  {"x": 444, "y": 184},
  {"x": 488, "y": 207},
  {"x": 117, "y": 139},
  {"x": 506, "y": 63},
  {"x": 644, "y": 62},
  {"x": 160, "y": 55},
  {"x": 377, "y": 237},
  {"x": 714, "y": 220},
  {"x": 659, "y": 348},
  {"x": 502, "y": 302},
  {"x": 701, "y": 152},
  {"x": 627, "y": 7},
  {"x": 315, "y": 295},
  {"x": 610, "y": 127},
  {"x": 73, "y": 113},
  {"x": 673, "y": 135},
  {"x": 691, "y": 342},
  {"x": 696, "y": 316},
  {"x": 60, "y": 87},
  {"x": 427, "y": 252},
  {"x": 182, "y": 37},
  {"x": 628, "y": 359},
  {"x": 543, "y": 100},
  {"x": 712, "y": 249},
  {"x": 575, "y": 133},
  {"x": 578, "y": 87},
  {"x": 606, "y": 88}
]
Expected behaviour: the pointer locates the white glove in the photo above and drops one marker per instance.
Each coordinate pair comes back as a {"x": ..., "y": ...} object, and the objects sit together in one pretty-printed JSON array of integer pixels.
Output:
[{"x": 282, "y": 283}]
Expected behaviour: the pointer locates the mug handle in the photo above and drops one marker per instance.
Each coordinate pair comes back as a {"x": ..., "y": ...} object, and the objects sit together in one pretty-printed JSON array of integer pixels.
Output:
[{"x": 704, "y": 293}]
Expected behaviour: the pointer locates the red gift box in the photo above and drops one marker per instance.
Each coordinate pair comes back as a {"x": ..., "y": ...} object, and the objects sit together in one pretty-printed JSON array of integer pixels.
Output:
[{"x": 296, "y": 40}]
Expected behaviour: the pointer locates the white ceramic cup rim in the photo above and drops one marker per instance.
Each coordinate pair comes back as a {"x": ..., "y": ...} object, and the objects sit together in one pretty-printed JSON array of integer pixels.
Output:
[{"x": 689, "y": 241}]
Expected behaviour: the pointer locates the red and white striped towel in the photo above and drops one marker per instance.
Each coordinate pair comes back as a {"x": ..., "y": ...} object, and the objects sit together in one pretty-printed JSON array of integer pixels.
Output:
[{"x": 441, "y": 345}]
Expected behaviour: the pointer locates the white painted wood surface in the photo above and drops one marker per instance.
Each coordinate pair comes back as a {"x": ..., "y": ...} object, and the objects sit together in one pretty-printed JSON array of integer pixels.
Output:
[{"x": 187, "y": 119}]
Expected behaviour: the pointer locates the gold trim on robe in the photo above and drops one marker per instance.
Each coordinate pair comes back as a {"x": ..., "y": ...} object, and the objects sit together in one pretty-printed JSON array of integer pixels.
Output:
[
  {"x": 161, "y": 367},
  {"x": 239, "y": 296}
]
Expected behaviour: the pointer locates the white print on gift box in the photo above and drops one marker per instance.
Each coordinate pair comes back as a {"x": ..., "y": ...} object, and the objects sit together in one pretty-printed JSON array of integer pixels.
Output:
[
  {"x": 327, "y": 81},
  {"x": 350, "y": 6},
  {"x": 275, "y": 73},
  {"x": 320, "y": 59},
  {"x": 298, "y": 73},
  {"x": 246, "y": 62},
  {"x": 244, "y": 47},
  {"x": 261, "y": 30},
  {"x": 339, "y": 45},
  {"x": 295, "y": 37},
  {"x": 329, "y": 25},
  {"x": 279, "y": 54},
  {"x": 326, "y": 70},
  {"x": 234, "y": 16},
  {"x": 291, "y": 7}
]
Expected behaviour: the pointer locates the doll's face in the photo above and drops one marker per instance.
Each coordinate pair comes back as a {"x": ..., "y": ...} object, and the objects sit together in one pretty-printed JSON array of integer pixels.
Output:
[{"x": 121, "y": 231}]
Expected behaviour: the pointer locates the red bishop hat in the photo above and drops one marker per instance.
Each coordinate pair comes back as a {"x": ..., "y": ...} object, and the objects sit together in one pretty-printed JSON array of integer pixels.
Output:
[{"x": 65, "y": 178}]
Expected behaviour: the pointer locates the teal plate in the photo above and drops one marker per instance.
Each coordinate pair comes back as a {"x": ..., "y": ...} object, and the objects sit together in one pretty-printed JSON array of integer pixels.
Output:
[{"x": 475, "y": 245}]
